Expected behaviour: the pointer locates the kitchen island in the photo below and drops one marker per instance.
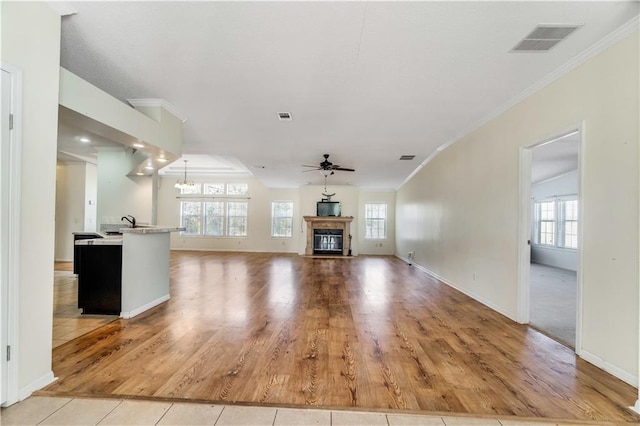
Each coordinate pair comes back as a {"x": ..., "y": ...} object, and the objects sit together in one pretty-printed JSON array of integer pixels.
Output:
[{"x": 143, "y": 265}]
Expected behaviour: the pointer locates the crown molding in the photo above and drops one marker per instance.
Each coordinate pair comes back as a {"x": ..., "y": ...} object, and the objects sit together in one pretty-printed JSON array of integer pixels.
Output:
[
  {"x": 600, "y": 46},
  {"x": 591, "y": 52},
  {"x": 157, "y": 103},
  {"x": 62, "y": 8}
]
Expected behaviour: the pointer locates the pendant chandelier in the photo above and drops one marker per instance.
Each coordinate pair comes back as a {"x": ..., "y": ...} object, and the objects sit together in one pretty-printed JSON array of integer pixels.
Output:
[{"x": 184, "y": 183}]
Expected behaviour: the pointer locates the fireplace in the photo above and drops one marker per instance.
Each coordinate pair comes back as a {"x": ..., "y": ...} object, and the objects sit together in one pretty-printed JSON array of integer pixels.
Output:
[
  {"x": 327, "y": 235},
  {"x": 327, "y": 241}
]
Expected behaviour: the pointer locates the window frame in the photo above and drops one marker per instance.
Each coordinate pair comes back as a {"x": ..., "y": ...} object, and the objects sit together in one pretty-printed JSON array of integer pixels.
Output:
[
  {"x": 559, "y": 222},
  {"x": 385, "y": 221},
  {"x": 273, "y": 218},
  {"x": 196, "y": 195}
]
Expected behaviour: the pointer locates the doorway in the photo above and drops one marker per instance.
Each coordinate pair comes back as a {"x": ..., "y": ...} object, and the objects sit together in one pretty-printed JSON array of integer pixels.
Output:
[
  {"x": 550, "y": 275},
  {"x": 9, "y": 226}
]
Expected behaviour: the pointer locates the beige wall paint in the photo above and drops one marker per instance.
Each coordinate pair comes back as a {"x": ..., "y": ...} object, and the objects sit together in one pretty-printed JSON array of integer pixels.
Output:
[
  {"x": 31, "y": 43},
  {"x": 75, "y": 205},
  {"x": 70, "y": 201},
  {"x": 259, "y": 221},
  {"x": 380, "y": 247},
  {"x": 460, "y": 212}
]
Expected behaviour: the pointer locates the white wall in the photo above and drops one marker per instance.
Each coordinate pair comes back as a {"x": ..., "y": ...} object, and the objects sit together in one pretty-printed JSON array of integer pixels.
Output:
[
  {"x": 259, "y": 220},
  {"x": 118, "y": 194},
  {"x": 31, "y": 42},
  {"x": 90, "y": 197},
  {"x": 460, "y": 211},
  {"x": 565, "y": 184},
  {"x": 70, "y": 200},
  {"x": 380, "y": 247}
]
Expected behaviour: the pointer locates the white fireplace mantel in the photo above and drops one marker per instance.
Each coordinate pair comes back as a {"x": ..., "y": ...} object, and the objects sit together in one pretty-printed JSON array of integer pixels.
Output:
[{"x": 328, "y": 222}]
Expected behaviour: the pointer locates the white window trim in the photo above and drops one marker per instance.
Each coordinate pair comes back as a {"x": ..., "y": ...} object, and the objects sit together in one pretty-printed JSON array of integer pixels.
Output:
[
  {"x": 275, "y": 237},
  {"x": 559, "y": 223},
  {"x": 203, "y": 198},
  {"x": 386, "y": 221}
]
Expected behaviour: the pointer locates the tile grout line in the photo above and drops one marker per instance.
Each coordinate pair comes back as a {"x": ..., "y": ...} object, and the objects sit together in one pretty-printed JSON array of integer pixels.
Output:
[
  {"x": 112, "y": 410},
  {"x": 164, "y": 414},
  {"x": 54, "y": 411},
  {"x": 219, "y": 415}
]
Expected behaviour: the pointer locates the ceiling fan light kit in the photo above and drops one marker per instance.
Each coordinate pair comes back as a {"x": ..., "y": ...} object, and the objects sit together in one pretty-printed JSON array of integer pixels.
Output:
[{"x": 327, "y": 168}]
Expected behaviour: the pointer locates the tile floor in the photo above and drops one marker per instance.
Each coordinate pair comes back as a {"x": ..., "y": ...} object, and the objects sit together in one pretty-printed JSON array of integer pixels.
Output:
[
  {"x": 45, "y": 410},
  {"x": 68, "y": 322}
]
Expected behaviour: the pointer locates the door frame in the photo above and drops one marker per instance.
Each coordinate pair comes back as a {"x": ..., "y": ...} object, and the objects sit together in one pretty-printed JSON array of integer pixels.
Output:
[
  {"x": 10, "y": 288},
  {"x": 524, "y": 228}
]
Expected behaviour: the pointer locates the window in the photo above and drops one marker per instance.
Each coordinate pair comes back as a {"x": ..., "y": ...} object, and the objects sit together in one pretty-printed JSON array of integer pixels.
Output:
[
  {"x": 237, "y": 218},
  {"x": 214, "y": 210},
  {"x": 569, "y": 214},
  {"x": 556, "y": 223},
  {"x": 375, "y": 221},
  {"x": 547, "y": 228},
  {"x": 282, "y": 219},
  {"x": 190, "y": 217},
  {"x": 214, "y": 218}
]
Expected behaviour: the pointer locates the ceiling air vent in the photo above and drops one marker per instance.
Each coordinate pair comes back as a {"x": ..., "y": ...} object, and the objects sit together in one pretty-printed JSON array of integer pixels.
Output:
[
  {"x": 545, "y": 36},
  {"x": 407, "y": 157},
  {"x": 284, "y": 116}
]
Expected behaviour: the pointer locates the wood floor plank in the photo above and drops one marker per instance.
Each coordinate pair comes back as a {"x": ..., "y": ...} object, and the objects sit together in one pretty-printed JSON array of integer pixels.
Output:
[{"x": 370, "y": 332}]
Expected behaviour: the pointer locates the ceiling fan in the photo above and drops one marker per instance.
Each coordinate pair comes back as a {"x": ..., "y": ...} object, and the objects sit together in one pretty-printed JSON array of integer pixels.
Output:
[{"x": 328, "y": 166}]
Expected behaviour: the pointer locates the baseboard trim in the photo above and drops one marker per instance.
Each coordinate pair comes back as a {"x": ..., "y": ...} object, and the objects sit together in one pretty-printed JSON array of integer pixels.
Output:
[
  {"x": 587, "y": 356},
  {"x": 145, "y": 307},
  {"x": 230, "y": 251},
  {"x": 453, "y": 285},
  {"x": 26, "y": 391},
  {"x": 610, "y": 368}
]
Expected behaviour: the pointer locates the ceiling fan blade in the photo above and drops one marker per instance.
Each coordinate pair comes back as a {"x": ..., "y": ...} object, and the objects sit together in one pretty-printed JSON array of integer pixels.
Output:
[
  {"x": 306, "y": 165},
  {"x": 311, "y": 170},
  {"x": 343, "y": 169}
]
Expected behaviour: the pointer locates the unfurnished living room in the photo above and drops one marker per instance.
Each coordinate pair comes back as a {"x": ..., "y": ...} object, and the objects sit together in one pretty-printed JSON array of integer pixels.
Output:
[{"x": 329, "y": 213}]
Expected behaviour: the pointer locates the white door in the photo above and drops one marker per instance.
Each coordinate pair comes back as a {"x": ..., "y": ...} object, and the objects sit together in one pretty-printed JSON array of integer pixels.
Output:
[{"x": 4, "y": 228}]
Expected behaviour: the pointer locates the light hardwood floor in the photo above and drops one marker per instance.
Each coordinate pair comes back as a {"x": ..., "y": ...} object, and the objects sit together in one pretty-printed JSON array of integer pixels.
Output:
[
  {"x": 370, "y": 332},
  {"x": 68, "y": 321}
]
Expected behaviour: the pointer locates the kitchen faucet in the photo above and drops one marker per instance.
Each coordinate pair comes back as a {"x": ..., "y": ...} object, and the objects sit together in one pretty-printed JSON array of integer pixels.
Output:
[{"x": 130, "y": 219}]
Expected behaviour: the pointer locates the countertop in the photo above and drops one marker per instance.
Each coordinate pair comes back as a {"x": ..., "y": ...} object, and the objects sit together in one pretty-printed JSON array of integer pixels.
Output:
[
  {"x": 146, "y": 229},
  {"x": 110, "y": 240},
  {"x": 117, "y": 239}
]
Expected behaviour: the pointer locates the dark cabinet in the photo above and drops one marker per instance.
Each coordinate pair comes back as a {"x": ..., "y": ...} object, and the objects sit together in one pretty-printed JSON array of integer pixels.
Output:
[
  {"x": 81, "y": 236},
  {"x": 100, "y": 278}
]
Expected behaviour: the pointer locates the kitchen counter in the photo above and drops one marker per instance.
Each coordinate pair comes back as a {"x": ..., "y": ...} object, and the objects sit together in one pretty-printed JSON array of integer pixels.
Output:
[
  {"x": 104, "y": 241},
  {"x": 150, "y": 229},
  {"x": 144, "y": 266}
]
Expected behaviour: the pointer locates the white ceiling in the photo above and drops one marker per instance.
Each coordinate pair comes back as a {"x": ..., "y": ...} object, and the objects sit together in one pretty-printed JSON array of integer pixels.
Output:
[
  {"x": 365, "y": 82},
  {"x": 555, "y": 157}
]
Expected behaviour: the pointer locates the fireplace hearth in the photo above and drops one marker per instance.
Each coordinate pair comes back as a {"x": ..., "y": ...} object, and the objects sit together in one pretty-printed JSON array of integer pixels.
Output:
[{"x": 327, "y": 235}]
